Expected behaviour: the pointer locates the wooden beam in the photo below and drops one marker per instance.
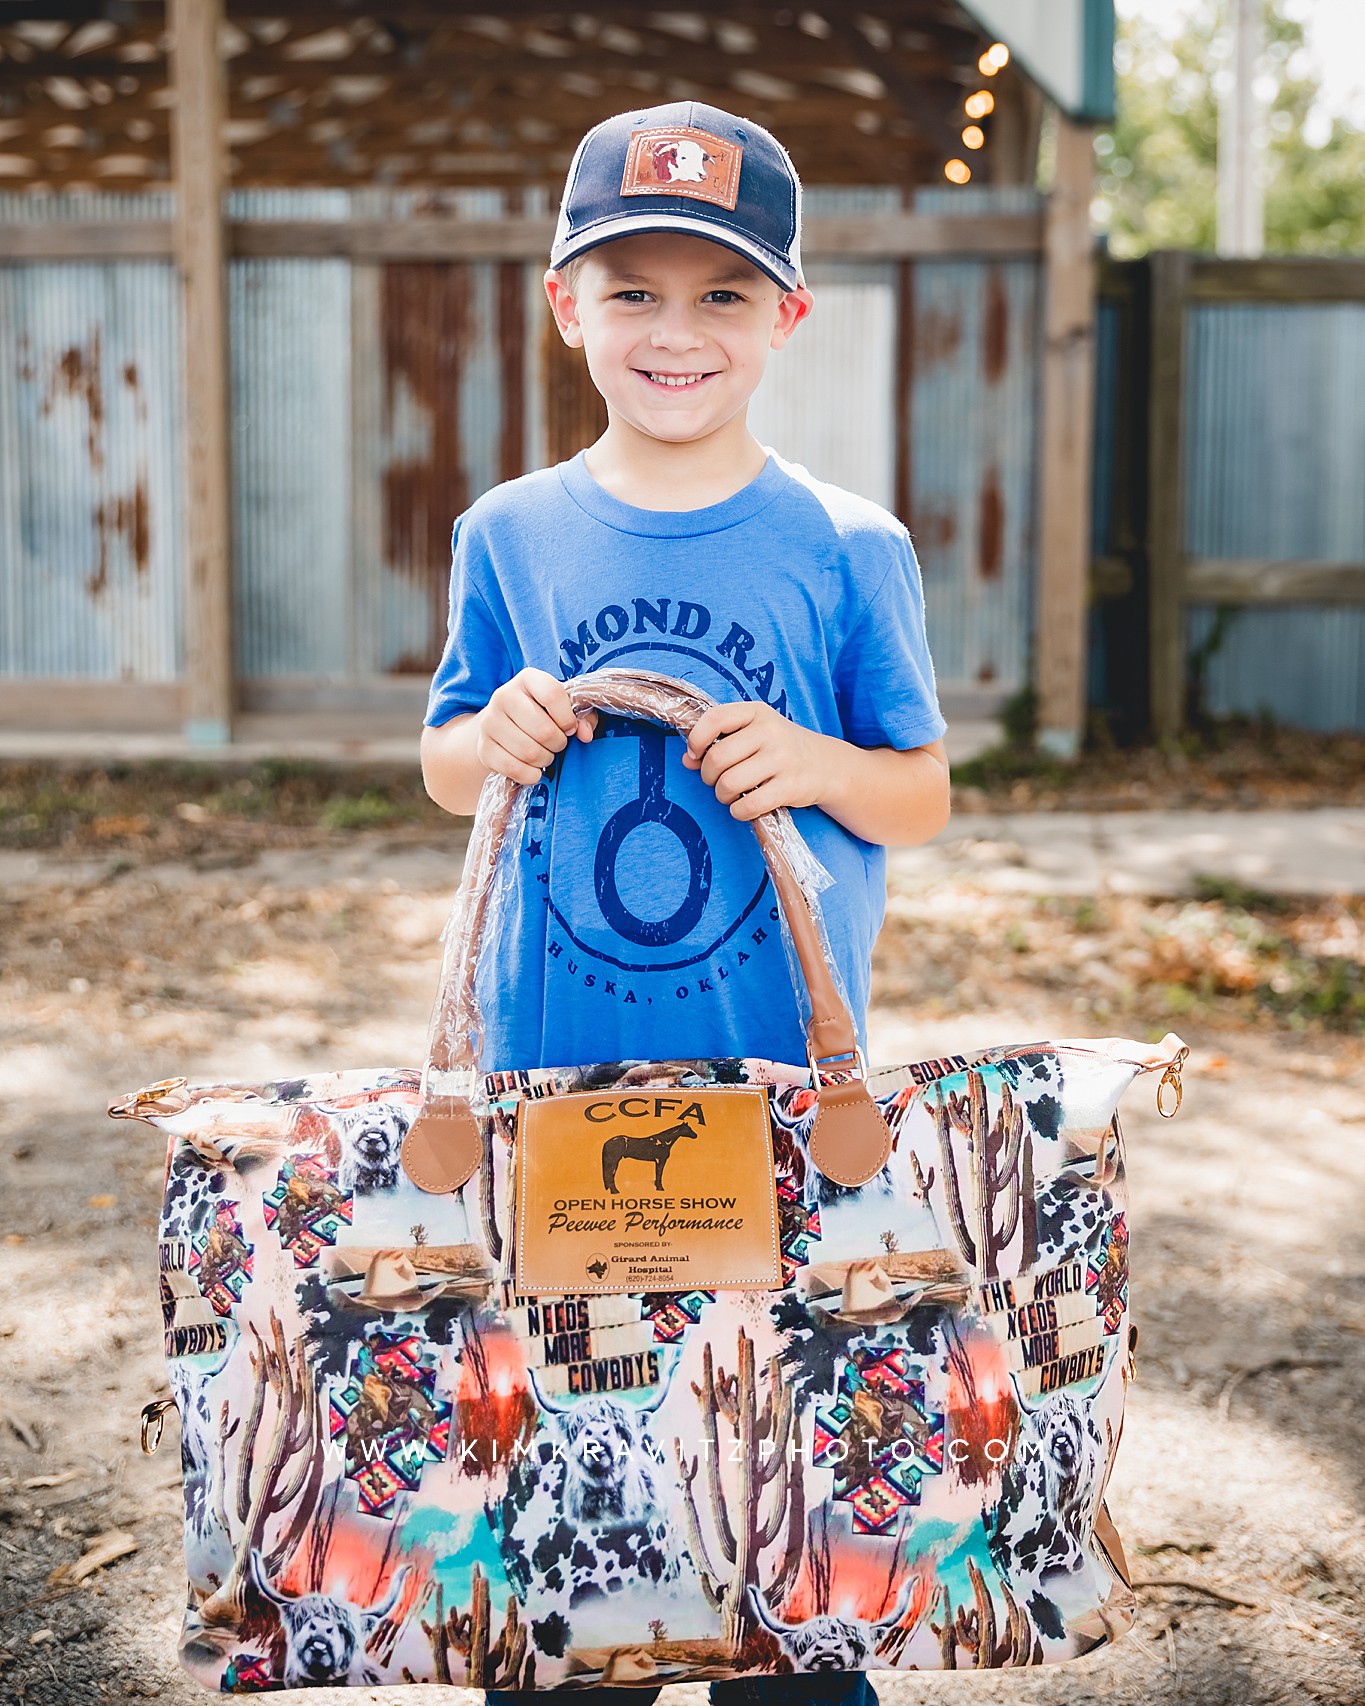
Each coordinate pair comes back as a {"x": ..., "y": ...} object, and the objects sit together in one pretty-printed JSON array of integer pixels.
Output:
[
  {"x": 88, "y": 240},
  {"x": 893, "y": 236},
  {"x": 1067, "y": 439},
  {"x": 1279, "y": 278},
  {"x": 1225, "y": 580},
  {"x": 906, "y": 235},
  {"x": 39, "y": 703},
  {"x": 1170, "y": 273},
  {"x": 200, "y": 169},
  {"x": 430, "y": 239},
  {"x": 927, "y": 102},
  {"x": 529, "y": 239}
]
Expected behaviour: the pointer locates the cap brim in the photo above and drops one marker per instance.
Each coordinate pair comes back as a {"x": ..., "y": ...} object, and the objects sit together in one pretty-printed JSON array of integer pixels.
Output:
[{"x": 781, "y": 272}]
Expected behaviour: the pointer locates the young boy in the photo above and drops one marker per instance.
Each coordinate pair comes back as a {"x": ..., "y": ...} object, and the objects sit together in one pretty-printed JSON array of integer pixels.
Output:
[{"x": 640, "y": 923}]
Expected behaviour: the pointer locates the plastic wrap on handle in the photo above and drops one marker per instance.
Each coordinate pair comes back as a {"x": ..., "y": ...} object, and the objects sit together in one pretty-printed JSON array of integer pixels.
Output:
[{"x": 456, "y": 1033}]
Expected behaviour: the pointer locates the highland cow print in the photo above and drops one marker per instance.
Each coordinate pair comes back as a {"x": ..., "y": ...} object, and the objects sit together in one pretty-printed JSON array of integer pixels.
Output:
[
  {"x": 324, "y": 1638},
  {"x": 1041, "y": 1526},
  {"x": 371, "y": 1147},
  {"x": 583, "y": 1517}
]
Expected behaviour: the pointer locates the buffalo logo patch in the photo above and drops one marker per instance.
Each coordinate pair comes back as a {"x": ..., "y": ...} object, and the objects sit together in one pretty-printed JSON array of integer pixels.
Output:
[{"x": 683, "y": 161}]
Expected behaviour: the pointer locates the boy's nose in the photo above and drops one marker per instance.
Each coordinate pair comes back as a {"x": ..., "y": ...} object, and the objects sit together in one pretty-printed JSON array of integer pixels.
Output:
[{"x": 676, "y": 331}]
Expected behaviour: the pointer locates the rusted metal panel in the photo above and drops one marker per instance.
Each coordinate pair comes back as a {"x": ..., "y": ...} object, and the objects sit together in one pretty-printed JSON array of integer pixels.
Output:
[
  {"x": 974, "y": 369},
  {"x": 90, "y": 524},
  {"x": 1274, "y": 459},
  {"x": 913, "y": 383},
  {"x": 455, "y": 420},
  {"x": 425, "y": 349}
]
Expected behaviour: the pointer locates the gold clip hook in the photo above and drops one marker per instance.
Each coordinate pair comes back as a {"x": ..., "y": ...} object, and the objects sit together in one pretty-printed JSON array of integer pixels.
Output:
[
  {"x": 1171, "y": 1077},
  {"x": 158, "y": 1096},
  {"x": 153, "y": 1420}
]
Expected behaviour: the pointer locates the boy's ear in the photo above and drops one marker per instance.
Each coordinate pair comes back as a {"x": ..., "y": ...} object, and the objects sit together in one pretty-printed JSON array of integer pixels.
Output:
[
  {"x": 564, "y": 308},
  {"x": 791, "y": 311}
]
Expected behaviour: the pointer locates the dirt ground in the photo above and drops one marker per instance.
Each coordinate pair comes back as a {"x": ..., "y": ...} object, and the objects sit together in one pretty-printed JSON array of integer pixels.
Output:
[{"x": 127, "y": 956}]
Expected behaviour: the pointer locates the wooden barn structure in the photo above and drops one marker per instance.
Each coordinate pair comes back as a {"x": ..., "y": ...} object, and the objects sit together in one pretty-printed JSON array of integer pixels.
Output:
[{"x": 268, "y": 299}]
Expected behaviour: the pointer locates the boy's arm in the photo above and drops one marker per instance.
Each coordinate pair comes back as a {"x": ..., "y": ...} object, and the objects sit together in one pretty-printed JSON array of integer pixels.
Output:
[
  {"x": 757, "y": 760},
  {"x": 517, "y": 733}
]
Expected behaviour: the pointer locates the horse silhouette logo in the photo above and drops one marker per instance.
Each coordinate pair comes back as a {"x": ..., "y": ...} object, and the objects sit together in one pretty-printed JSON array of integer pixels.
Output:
[
  {"x": 597, "y": 1267},
  {"x": 657, "y": 1147}
]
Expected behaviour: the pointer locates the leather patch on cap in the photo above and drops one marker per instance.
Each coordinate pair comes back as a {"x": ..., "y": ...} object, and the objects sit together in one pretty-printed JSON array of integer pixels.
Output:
[{"x": 683, "y": 161}]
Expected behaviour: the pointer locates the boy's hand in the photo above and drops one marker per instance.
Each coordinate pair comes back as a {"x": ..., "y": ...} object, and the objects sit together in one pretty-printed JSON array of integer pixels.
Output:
[
  {"x": 525, "y": 723},
  {"x": 756, "y": 759}
]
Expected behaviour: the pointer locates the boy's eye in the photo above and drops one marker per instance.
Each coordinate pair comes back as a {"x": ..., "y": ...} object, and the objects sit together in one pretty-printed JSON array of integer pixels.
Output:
[
  {"x": 630, "y": 296},
  {"x": 723, "y": 297}
]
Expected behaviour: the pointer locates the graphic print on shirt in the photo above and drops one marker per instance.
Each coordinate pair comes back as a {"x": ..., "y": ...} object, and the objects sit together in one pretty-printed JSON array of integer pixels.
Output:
[{"x": 652, "y": 894}]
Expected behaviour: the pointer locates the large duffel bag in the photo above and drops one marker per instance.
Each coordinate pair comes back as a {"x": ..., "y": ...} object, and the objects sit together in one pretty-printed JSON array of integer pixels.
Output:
[{"x": 648, "y": 1371}]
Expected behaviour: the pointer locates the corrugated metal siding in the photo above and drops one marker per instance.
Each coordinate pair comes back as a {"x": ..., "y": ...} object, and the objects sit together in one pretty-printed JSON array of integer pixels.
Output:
[
  {"x": 90, "y": 433},
  {"x": 973, "y": 446},
  {"x": 1276, "y": 461},
  {"x": 1275, "y": 467},
  {"x": 1301, "y": 664},
  {"x": 291, "y": 458},
  {"x": 826, "y": 400},
  {"x": 447, "y": 370},
  {"x": 66, "y": 205},
  {"x": 829, "y": 401},
  {"x": 371, "y": 404}
]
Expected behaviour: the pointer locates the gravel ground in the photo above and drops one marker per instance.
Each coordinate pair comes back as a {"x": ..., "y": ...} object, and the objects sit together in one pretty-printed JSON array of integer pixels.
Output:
[{"x": 1239, "y": 1483}]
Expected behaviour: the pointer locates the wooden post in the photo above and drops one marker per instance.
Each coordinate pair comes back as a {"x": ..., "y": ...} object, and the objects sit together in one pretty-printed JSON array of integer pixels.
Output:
[
  {"x": 197, "y": 119},
  {"x": 1068, "y": 444},
  {"x": 1170, "y": 271}
]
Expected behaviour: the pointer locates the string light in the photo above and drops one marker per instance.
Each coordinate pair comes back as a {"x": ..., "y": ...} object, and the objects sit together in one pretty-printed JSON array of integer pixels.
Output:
[
  {"x": 973, "y": 136},
  {"x": 996, "y": 56},
  {"x": 957, "y": 171},
  {"x": 979, "y": 104}
]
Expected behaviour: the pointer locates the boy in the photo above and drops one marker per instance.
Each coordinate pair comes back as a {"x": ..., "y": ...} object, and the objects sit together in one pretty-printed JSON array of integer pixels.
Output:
[{"x": 639, "y": 922}]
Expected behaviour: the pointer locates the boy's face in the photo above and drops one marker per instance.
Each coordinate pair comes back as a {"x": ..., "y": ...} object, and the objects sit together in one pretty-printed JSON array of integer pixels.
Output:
[{"x": 676, "y": 330}]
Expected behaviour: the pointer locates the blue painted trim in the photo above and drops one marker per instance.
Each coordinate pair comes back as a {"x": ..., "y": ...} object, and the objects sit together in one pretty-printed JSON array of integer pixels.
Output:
[
  {"x": 1097, "y": 62},
  {"x": 208, "y": 731}
]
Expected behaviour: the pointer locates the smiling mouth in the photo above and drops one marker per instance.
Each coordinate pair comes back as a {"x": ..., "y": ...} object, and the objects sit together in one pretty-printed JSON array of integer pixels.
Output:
[{"x": 673, "y": 381}]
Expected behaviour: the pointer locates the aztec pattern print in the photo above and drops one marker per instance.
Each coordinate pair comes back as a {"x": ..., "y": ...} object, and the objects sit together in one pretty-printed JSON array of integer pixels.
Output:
[{"x": 398, "y": 1469}]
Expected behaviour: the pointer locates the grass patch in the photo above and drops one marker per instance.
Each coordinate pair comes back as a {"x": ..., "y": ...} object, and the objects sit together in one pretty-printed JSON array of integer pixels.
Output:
[{"x": 370, "y": 810}]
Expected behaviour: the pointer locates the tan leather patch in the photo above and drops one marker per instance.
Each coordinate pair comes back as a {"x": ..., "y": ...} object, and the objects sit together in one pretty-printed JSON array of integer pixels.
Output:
[
  {"x": 651, "y": 1190},
  {"x": 443, "y": 1146},
  {"x": 683, "y": 161},
  {"x": 850, "y": 1142}
]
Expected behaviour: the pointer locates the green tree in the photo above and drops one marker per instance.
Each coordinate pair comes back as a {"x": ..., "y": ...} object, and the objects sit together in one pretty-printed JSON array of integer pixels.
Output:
[{"x": 1157, "y": 166}]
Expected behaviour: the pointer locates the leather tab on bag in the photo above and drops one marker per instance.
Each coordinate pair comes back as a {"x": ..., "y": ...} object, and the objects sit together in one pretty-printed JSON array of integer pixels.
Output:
[
  {"x": 850, "y": 1142},
  {"x": 444, "y": 1145}
]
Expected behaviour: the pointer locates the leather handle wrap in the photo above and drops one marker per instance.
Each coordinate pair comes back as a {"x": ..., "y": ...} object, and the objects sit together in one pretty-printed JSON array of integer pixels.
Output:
[{"x": 456, "y": 1020}]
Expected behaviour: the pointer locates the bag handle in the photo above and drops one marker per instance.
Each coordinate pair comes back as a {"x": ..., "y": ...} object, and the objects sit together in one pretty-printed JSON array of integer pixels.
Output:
[
  {"x": 847, "y": 1121},
  {"x": 830, "y": 1033}
]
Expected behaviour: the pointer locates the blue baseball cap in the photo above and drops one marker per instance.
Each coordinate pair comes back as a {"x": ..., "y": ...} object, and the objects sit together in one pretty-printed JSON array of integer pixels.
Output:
[{"x": 684, "y": 167}]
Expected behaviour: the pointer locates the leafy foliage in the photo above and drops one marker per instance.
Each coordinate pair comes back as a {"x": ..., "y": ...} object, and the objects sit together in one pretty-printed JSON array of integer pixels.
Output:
[{"x": 1157, "y": 165}]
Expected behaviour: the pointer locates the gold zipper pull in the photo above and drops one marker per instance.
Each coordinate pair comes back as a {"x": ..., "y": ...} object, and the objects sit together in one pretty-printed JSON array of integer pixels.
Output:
[
  {"x": 1130, "y": 1366},
  {"x": 153, "y": 1420}
]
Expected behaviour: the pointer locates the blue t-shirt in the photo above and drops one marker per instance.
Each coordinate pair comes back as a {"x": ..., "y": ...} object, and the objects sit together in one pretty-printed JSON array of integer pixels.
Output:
[{"x": 640, "y": 921}]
